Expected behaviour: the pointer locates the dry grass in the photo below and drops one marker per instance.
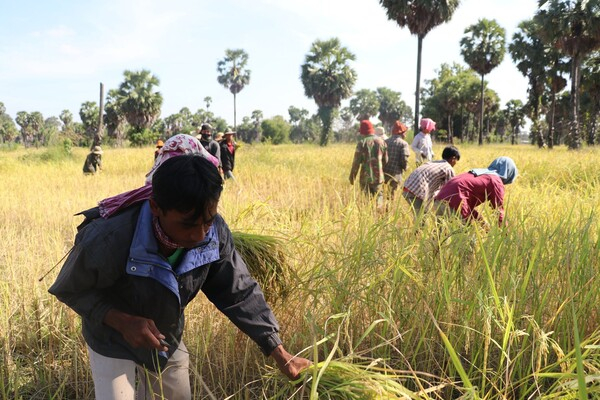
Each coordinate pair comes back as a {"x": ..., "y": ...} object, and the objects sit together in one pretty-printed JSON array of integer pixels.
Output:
[{"x": 495, "y": 314}]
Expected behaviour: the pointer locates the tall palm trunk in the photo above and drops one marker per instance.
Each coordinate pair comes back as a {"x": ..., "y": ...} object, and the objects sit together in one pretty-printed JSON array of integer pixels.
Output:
[
  {"x": 418, "y": 86},
  {"x": 234, "y": 112},
  {"x": 539, "y": 135},
  {"x": 481, "y": 113},
  {"x": 98, "y": 135},
  {"x": 575, "y": 139},
  {"x": 552, "y": 113},
  {"x": 325, "y": 113},
  {"x": 593, "y": 124}
]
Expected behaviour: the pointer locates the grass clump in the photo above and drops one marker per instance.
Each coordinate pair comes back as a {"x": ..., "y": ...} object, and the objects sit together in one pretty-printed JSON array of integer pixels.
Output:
[
  {"x": 344, "y": 379},
  {"x": 265, "y": 259}
]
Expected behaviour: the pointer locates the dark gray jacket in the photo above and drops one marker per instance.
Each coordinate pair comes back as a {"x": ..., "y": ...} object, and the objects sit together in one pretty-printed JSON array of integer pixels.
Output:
[{"x": 115, "y": 263}]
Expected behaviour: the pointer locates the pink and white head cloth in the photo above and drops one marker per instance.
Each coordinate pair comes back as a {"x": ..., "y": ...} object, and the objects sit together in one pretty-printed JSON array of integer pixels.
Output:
[
  {"x": 178, "y": 145},
  {"x": 174, "y": 146},
  {"x": 427, "y": 124}
]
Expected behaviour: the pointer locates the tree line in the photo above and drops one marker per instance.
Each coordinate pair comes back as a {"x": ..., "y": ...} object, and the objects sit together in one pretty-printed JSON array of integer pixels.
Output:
[
  {"x": 557, "y": 40},
  {"x": 560, "y": 41}
]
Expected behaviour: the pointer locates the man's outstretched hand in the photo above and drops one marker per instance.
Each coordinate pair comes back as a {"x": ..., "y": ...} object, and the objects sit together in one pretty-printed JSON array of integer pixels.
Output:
[{"x": 289, "y": 365}]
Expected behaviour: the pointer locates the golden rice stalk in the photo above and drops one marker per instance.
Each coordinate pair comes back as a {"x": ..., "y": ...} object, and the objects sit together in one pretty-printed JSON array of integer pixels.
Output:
[
  {"x": 265, "y": 259},
  {"x": 345, "y": 380}
]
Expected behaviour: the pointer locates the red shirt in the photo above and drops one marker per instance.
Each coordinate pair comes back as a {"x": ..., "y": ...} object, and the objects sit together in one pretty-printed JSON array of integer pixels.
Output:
[{"x": 466, "y": 191}]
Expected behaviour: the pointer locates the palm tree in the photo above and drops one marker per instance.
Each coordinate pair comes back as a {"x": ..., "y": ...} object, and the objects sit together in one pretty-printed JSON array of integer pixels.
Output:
[
  {"x": 529, "y": 53},
  {"x": 590, "y": 87},
  {"x": 421, "y": 16},
  {"x": 22, "y": 120},
  {"x": 328, "y": 79},
  {"x": 542, "y": 65},
  {"x": 139, "y": 102},
  {"x": 208, "y": 102},
  {"x": 88, "y": 113},
  {"x": 257, "y": 117},
  {"x": 8, "y": 130},
  {"x": 483, "y": 48},
  {"x": 66, "y": 118},
  {"x": 515, "y": 116},
  {"x": 233, "y": 74},
  {"x": 572, "y": 26},
  {"x": 115, "y": 118},
  {"x": 36, "y": 123}
]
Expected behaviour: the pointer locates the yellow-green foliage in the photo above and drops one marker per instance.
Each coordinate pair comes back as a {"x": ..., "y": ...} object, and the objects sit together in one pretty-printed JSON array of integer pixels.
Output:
[{"x": 484, "y": 314}]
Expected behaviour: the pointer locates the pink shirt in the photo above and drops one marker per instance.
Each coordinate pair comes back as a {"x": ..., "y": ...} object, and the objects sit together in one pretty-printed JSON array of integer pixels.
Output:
[{"x": 465, "y": 191}]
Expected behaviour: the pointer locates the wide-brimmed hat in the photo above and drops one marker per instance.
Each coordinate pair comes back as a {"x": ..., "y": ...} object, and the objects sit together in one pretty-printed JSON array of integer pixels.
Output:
[
  {"x": 229, "y": 133},
  {"x": 97, "y": 150}
]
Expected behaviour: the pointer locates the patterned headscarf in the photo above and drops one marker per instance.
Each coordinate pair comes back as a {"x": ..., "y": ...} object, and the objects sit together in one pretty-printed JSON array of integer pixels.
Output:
[
  {"x": 174, "y": 146},
  {"x": 427, "y": 124}
]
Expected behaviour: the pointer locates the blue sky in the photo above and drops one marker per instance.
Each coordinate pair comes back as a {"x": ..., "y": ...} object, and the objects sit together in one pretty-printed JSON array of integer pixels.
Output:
[{"x": 54, "y": 53}]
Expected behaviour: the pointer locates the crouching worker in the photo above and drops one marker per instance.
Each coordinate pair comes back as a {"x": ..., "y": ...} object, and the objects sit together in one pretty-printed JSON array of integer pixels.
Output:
[
  {"x": 461, "y": 194},
  {"x": 131, "y": 275}
]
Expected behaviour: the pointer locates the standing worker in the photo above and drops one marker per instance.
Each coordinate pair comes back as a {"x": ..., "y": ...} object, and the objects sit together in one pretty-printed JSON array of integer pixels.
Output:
[
  {"x": 205, "y": 137},
  {"x": 228, "y": 147},
  {"x": 398, "y": 154},
  {"x": 369, "y": 157},
  {"x": 422, "y": 144}
]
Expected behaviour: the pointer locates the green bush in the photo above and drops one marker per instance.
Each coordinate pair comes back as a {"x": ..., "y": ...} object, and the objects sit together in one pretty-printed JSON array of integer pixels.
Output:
[
  {"x": 276, "y": 130},
  {"x": 142, "y": 138}
]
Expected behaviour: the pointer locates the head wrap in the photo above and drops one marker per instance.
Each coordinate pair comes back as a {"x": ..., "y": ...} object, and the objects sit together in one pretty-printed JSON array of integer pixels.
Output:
[
  {"x": 399, "y": 128},
  {"x": 504, "y": 167},
  {"x": 366, "y": 127},
  {"x": 174, "y": 146},
  {"x": 427, "y": 124}
]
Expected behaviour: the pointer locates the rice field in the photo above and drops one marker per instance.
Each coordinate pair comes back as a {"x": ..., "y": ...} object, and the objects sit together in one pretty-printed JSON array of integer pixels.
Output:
[{"x": 383, "y": 308}]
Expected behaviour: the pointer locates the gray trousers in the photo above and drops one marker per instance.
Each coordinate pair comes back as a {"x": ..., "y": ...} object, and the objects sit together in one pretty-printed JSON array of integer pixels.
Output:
[{"x": 115, "y": 378}]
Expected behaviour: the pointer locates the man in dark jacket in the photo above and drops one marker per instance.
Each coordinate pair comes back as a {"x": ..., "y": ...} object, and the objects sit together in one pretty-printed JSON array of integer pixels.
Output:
[
  {"x": 131, "y": 275},
  {"x": 206, "y": 139},
  {"x": 228, "y": 147}
]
